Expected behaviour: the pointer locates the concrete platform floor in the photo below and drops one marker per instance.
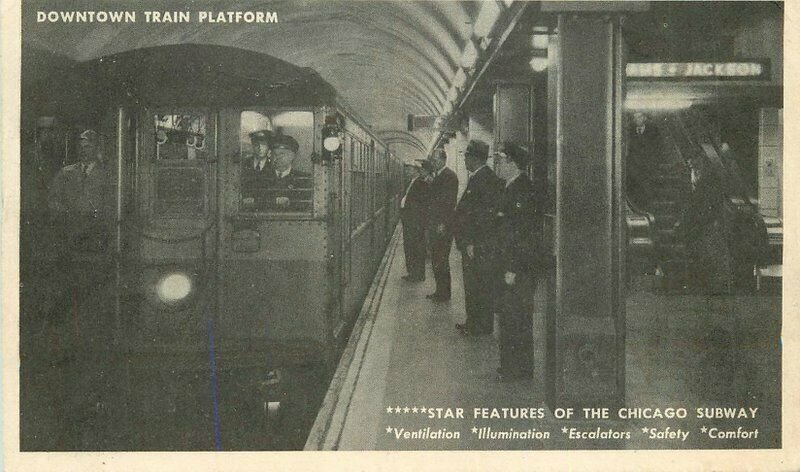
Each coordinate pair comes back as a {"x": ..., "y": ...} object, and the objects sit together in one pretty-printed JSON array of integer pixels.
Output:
[{"x": 682, "y": 351}]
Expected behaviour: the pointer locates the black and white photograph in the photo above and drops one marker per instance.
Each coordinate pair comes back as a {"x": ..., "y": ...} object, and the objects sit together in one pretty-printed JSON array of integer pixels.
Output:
[{"x": 394, "y": 225}]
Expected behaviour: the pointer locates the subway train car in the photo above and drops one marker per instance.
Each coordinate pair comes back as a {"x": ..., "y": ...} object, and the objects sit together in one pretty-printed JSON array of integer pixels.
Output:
[{"x": 217, "y": 304}]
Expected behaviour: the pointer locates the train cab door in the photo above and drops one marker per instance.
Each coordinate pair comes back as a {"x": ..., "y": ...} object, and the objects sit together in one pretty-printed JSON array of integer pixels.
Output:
[{"x": 168, "y": 270}]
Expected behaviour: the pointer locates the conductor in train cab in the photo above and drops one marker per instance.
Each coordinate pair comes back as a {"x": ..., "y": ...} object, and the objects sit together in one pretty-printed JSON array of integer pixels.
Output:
[
  {"x": 81, "y": 197},
  {"x": 442, "y": 194},
  {"x": 475, "y": 219},
  {"x": 413, "y": 210},
  {"x": 277, "y": 186},
  {"x": 518, "y": 228},
  {"x": 257, "y": 169}
]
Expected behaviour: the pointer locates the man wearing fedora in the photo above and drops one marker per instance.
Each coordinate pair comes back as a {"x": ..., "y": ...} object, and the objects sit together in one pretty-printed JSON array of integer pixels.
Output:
[
  {"x": 442, "y": 199},
  {"x": 413, "y": 210},
  {"x": 475, "y": 217}
]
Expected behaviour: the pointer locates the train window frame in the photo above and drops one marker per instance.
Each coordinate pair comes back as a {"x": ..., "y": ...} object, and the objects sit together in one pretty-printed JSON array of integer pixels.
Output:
[
  {"x": 203, "y": 167},
  {"x": 236, "y": 134}
]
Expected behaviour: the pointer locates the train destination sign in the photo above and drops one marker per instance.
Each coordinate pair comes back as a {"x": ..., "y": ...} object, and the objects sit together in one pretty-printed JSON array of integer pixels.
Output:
[{"x": 753, "y": 70}]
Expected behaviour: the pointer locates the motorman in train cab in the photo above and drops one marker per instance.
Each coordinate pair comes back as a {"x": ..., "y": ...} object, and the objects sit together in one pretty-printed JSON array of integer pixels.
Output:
[
  {"x": 518, "y": 227},
  {"x": 257, "y": 169},
  {"x": 271, "y": 183},
  {"x": 81, "y": 197}
]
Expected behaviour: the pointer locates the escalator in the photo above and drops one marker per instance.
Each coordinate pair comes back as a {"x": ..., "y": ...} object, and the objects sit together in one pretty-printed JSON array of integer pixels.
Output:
[{"x": 752, "y": 239}]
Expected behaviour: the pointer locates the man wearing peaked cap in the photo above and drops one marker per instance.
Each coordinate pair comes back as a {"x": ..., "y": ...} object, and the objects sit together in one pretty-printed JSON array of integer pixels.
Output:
[
  {"x": 284, "y": 141},
  {"x": 520, "y": 259}
]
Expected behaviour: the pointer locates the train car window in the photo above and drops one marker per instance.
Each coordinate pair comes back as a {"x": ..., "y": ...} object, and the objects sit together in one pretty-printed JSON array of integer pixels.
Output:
[
  {"x": 277, "y": 170},
  {"x": 182, "y": 149}
]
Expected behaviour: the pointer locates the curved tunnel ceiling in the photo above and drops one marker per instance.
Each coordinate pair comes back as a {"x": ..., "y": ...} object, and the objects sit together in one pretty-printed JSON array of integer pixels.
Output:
[{"x": 386, "y": 59}]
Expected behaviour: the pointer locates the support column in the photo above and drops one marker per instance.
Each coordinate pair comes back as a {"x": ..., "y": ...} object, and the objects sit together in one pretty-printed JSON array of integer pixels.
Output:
[{"x": 586, "y": 324}]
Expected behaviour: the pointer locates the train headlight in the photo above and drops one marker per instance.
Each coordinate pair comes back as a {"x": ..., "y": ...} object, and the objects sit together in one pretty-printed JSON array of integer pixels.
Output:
[
  {"x": 174, "y": 288},
  {"x": 331, "y": 138},
  {"x": 331, "y": 143}
]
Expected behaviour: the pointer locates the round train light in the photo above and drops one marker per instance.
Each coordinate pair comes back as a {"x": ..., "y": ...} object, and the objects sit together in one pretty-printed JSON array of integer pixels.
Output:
[
  {"x": 331, "y": 143},
  {"x": 173, "y": 288}
]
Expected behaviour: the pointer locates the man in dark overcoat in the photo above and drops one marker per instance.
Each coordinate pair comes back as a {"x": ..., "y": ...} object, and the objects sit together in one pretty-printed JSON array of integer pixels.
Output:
[
  {"x": 413, "y": 213},
  {"x": 475, "y": 214},
  {"x": 443, "y": 191},
  {"x": 518, "y": 235}
]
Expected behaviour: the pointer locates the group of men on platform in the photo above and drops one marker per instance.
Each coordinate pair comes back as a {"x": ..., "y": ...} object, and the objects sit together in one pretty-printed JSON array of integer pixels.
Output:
[{"x": 497, "y": 229}]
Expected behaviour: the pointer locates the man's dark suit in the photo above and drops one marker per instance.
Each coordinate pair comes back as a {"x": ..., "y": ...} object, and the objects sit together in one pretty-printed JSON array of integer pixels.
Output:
[
  {"x": 518, "y": 235},
  {"x": 443, "y": 191},
  {"x": 413, "y": 214},
  {"x": 644, "y": 148},
  {"x": 475, "y": 214}
]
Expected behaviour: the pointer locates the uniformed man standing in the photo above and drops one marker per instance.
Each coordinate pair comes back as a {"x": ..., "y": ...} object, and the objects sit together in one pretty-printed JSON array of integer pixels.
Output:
[
  {"x": 475, "y": 217},
  {"x": 443, "y": 191},
  {"x": 413, "y": 212},
  {"x": 81, "y": 197},
  {"x": 518, "y": 234}
]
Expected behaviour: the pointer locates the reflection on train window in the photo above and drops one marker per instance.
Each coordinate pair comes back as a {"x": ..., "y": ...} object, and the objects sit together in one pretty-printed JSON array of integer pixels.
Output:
[
  {"x": 180, "y": 137},
  {"x": 276, "y": 165},
  {"x": 182, "y": 147}
]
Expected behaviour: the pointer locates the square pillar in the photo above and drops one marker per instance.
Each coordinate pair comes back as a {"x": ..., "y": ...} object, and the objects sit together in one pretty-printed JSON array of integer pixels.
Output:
[{"x": 586, "y": 324}]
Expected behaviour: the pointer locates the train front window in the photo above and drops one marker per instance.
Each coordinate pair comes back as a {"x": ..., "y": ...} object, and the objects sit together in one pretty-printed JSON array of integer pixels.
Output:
[{"x": 277, "y": 169}]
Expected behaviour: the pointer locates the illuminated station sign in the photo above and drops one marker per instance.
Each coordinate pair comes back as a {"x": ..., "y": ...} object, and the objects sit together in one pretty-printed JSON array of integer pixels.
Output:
[{"x": 756, "y": 70}]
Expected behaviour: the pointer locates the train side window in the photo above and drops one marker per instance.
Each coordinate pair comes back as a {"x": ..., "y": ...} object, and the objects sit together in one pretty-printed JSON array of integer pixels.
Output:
[
  {"x": 181, "y": 151},
  {"x": 277, "y": 170}
]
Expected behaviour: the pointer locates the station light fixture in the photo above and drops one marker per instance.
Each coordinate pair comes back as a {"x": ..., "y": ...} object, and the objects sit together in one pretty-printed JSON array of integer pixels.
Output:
[
  {"x": 487, "y": 17},
  {"x": 658, "y": 103},
  {"x": 460, "y": 78},
  {"x": 540, "y": 41},
  {"x": 452, "y": 94},
  {"x": 470, "y": 55},
  {"x": 539, "y": 63},
  {"x": 508, "y": 3}
]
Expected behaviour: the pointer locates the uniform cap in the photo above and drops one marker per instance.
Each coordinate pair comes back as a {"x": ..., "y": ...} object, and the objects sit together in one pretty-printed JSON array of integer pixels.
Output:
[
  {"x": 516, "y": 153},
  {"x": 261, "y": 136},
  {"x": 284, "y": 141},
  {"x": 90, "y": 135}
]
